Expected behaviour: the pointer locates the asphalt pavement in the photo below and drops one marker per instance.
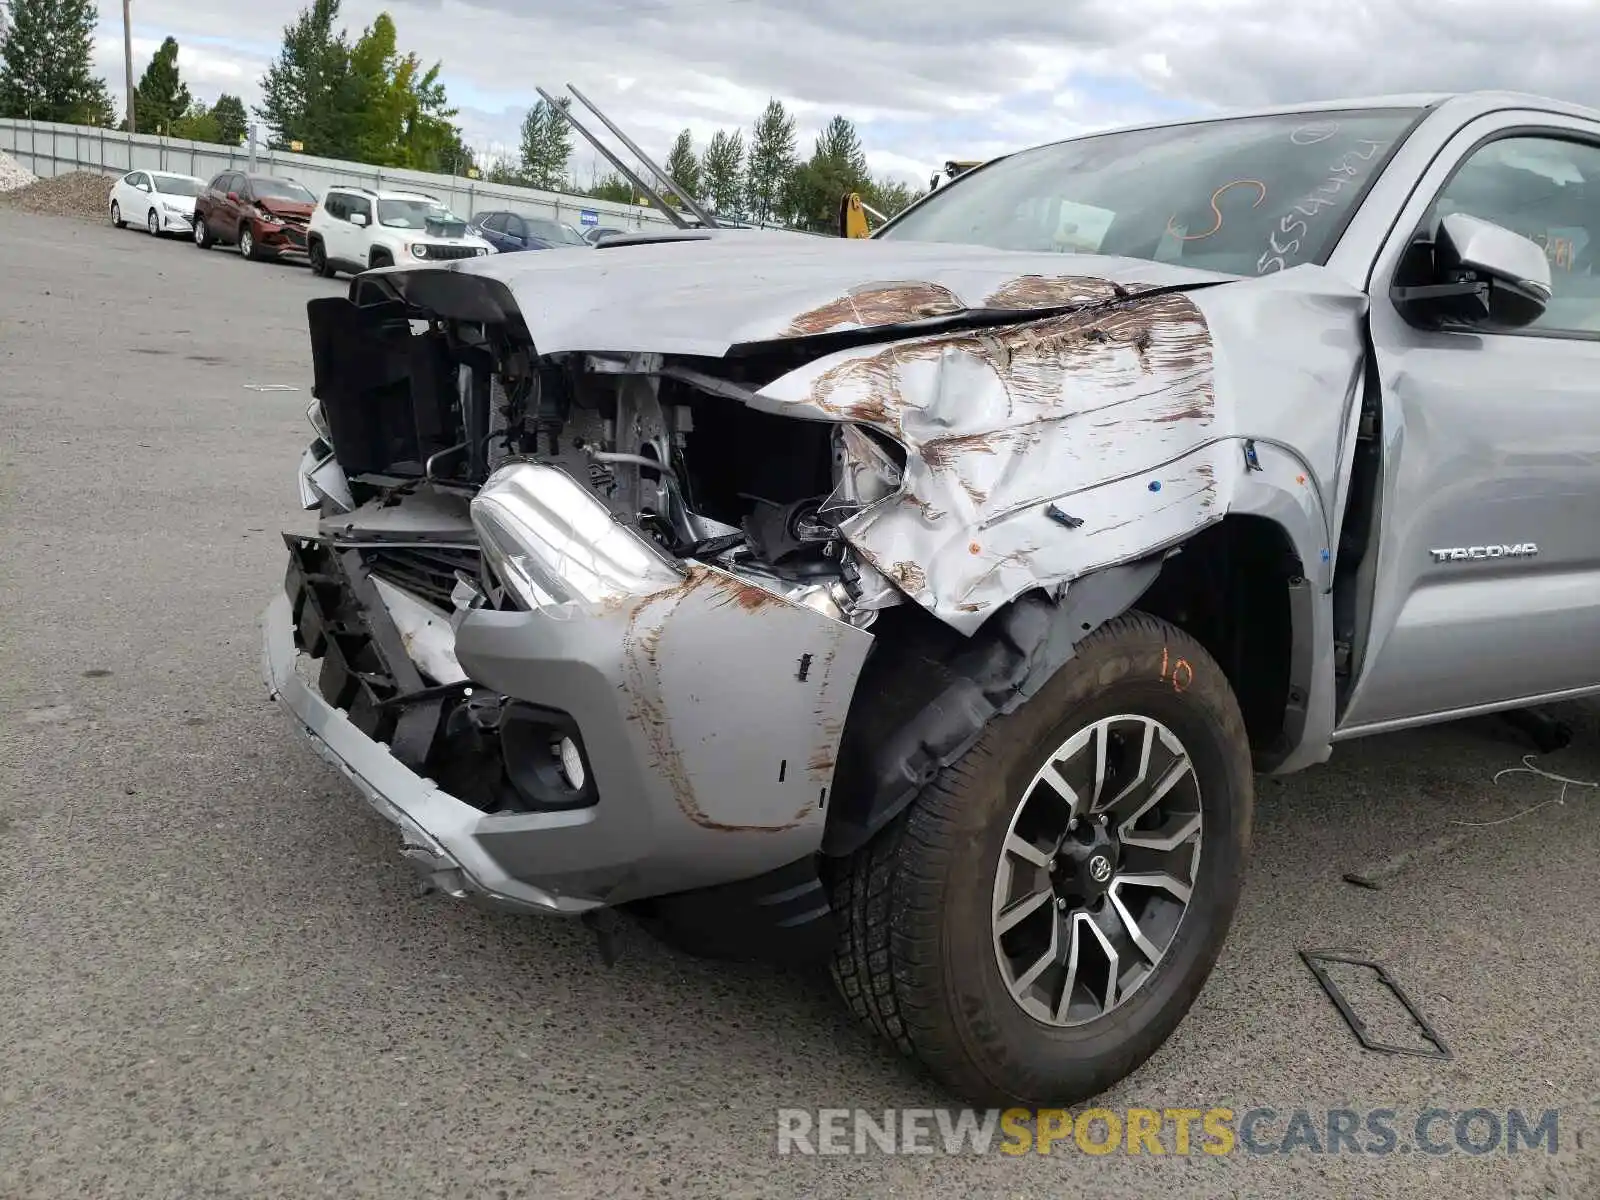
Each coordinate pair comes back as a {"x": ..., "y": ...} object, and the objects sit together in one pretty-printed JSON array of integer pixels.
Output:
[{"x": 217, "y": 980}]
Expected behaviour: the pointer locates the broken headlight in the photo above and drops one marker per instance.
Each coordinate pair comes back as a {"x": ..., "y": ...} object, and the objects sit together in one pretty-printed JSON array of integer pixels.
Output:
[
  {"x": 319, "y": 422},
  {"x": 551, "y": 543}
]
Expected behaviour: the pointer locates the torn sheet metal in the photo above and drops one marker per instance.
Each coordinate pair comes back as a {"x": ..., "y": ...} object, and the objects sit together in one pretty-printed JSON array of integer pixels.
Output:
[
  {"x": 425, "y": 632},
  {"x": 1111, "y": 412}
]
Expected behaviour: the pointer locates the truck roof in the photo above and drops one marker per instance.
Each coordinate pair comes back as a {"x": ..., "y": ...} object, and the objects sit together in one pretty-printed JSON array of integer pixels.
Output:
[{"x": 1472, "y": 104}]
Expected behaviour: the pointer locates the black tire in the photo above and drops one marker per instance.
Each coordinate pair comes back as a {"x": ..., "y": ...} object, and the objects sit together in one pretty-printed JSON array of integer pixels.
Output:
[
  {"x": 116, "y": 216},
  {"x": 202, "y": 233},
  {"x": 317, "y": 259},
  {"x": 152, "y": 223},
  {"x": 379, "y": 258},
  {"x": 248, "y": 246},
  {"x": 915, "y": 959}
]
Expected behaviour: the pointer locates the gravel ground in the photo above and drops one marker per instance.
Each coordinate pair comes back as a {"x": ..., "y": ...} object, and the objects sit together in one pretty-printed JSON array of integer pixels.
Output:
[
  {"x": 82, "y": 194},
  {"x": 12, "y": 176},
  {"x": 216, "y": 979}
]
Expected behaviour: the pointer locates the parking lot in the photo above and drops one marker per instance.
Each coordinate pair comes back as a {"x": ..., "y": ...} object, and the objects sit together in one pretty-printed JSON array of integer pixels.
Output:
[{"x": 216, "y": 978}]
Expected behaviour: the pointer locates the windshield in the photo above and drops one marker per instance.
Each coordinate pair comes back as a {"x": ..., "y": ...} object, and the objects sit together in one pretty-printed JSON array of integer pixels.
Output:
[
  {"x": 554, "y": 231},
  {"x": 177, "y": 185},
  {"x": 1243, "y": 196},
  {"x": 413, "y": 214},
  {"x": 280, "y": 189}
]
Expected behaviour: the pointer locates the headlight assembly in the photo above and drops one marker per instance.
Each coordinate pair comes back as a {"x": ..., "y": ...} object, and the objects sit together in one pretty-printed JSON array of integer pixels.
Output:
[
  {"x": 553, "y": 544},
  {"x": 319, "y": 422},
  {"x": 419, "y": 250}
]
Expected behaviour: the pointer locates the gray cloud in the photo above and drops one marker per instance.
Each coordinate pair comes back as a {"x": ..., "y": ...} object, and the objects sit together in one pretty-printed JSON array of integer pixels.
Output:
[{"x": 928, "y": 80}]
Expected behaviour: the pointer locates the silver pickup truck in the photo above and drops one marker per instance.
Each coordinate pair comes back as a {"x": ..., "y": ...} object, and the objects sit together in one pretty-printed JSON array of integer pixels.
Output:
[{"x": 927, "y": 603}]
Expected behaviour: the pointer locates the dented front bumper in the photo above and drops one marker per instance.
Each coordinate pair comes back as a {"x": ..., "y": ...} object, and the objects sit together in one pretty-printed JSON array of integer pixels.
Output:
[{"x": 710, "y": 713}]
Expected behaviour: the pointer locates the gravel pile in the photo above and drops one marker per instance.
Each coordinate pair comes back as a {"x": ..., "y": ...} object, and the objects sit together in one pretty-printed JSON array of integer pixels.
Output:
[
  {"x": 11, "y": 175},
  {"x": 76, "y": 194}
]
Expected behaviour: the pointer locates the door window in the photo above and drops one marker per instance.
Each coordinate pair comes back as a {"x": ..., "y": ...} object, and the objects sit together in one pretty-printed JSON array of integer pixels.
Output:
[
  {"x": 515, "y": 227},
  {"x": 335, "y": 205},
  {"x": 495, "y": 223},
  {"x": 360, "y": 204},
  {"x": 1546, "y": 189}
]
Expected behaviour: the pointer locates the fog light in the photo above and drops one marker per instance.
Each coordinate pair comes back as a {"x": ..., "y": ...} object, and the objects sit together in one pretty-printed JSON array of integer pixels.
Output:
[{"x": 571, "y": 763}]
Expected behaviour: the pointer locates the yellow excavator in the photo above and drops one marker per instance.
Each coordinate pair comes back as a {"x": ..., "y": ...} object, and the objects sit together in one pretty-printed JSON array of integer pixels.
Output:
[{"x": 854, "y": 211}]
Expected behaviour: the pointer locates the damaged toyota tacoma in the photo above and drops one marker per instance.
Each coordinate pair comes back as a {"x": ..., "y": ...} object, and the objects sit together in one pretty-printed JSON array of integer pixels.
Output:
[{"x": 927, "y": 603}]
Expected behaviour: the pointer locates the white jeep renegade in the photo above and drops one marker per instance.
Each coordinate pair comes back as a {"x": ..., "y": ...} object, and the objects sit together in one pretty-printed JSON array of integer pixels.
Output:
[{"x": 356, "y": 228}]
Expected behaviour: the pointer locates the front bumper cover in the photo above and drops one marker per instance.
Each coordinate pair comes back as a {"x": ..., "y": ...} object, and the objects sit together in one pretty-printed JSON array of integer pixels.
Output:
[{"x": 711, "y": 713}]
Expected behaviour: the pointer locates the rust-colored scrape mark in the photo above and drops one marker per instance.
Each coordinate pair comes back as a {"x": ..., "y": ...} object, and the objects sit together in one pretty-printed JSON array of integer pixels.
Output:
[
  {"x": 1192, "y": 411},
  {"x": 910, "y": 576},
  {"x": 877, "y": 304},
  {"x": 647, "y": 707},
  {"x": 746, "y": 595},
  {"x": 1043, "y": 364},
  {"x": 829, "y": 728},
  {"x": 1047, "y": 291}
]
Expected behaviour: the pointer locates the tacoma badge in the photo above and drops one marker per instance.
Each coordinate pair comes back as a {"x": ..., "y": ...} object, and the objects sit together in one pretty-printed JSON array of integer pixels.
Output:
[{"x": 1461, "y": 553}]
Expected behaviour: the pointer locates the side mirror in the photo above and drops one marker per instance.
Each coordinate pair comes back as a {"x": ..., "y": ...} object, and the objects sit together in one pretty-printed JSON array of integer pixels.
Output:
[
  {"x": 358, "y": 218},
  {"x": 1483, "y": 274},
  {"x": 233, "y": 197},
  {"x": 143, "y": 187}
]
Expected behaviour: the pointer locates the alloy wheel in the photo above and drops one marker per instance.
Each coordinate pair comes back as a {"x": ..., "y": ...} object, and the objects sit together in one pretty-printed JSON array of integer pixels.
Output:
[
  {"x": 153, "y": 223},
  {"x": 1097, "y": 870},
  {"x": 247, "y": 242}
]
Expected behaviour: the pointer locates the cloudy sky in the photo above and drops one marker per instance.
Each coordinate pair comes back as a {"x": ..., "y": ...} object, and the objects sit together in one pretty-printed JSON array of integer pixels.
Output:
[{"x": 924, "y": 80}]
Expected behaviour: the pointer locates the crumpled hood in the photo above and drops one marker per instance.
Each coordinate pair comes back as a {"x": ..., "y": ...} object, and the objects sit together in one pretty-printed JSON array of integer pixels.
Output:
[
  {"x": 285, "y": 208},
  {"x": 736, "y": 287},
  {"x": 1086, "y": 433}
]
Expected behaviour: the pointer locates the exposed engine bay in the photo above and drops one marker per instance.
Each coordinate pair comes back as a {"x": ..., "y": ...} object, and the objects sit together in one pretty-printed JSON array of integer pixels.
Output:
[{"x": 429, "y": 407}]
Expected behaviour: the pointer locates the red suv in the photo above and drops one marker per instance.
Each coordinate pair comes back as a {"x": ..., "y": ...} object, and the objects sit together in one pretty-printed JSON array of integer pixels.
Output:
[{"x": 265, "y": 217}]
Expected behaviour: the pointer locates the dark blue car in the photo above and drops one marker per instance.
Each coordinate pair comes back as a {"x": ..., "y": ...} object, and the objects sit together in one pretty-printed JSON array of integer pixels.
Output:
[{"x": 507, "y": 231}]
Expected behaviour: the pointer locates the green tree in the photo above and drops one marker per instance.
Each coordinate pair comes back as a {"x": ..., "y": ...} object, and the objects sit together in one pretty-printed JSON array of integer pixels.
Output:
[
  {"x": 683, "y": 167},
  {"x": 720, "y": 172},
  {"x": 612, "y": 187},
  {"x": 161, "y": 96},
  {"x": 546, "y": 147},
  {"x": 306, "y": 92},
  {"x": 363, "y": 100},
  {"x": 45, "y": 71},
  {"x": 197, "y": 124},
  {"x": 890, "y": 196},
  {"x": 771, "y": 162},
  {"x": 837, "y": 167},
  {"x": 231, "y": 120}
]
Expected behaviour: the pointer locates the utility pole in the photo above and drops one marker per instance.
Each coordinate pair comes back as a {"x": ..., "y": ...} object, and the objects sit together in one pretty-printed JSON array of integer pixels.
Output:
[{"x": 127, "y": 55}]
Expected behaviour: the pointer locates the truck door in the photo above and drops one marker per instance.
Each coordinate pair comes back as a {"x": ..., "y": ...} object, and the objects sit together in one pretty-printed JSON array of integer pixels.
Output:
[{"x": 1486, "y": 583}]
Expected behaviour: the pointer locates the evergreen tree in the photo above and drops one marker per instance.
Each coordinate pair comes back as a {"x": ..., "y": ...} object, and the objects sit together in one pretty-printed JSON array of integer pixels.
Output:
[
  {"x": 771, "y": 162},
  {"x": 45, "y": 72},
  {"x": 683, "y": 167},
  {"x": 160, "y": 97},
  {"x": 546, "y": 147},
  {"x": 612, "y": 186},
  {"x": 837, "y": 167},
  {"x": 720, "y": 172},
  {"x": 305, "y": 94},
  {"x": 229, "y": 114}
]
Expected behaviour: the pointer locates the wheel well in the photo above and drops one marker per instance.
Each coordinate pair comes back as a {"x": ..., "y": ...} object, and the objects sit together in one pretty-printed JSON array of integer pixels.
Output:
[
  {"x": 378, "y": 255},
  {"x": 1233, "y": 588}
]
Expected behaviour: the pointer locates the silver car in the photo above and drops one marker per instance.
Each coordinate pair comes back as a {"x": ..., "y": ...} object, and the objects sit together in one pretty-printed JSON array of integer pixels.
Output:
[{"x": 926, "y": 604}]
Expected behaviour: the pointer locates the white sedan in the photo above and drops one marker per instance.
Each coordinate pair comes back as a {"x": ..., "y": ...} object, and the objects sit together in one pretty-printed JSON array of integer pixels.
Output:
[{"x": 161, "y": 201}]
